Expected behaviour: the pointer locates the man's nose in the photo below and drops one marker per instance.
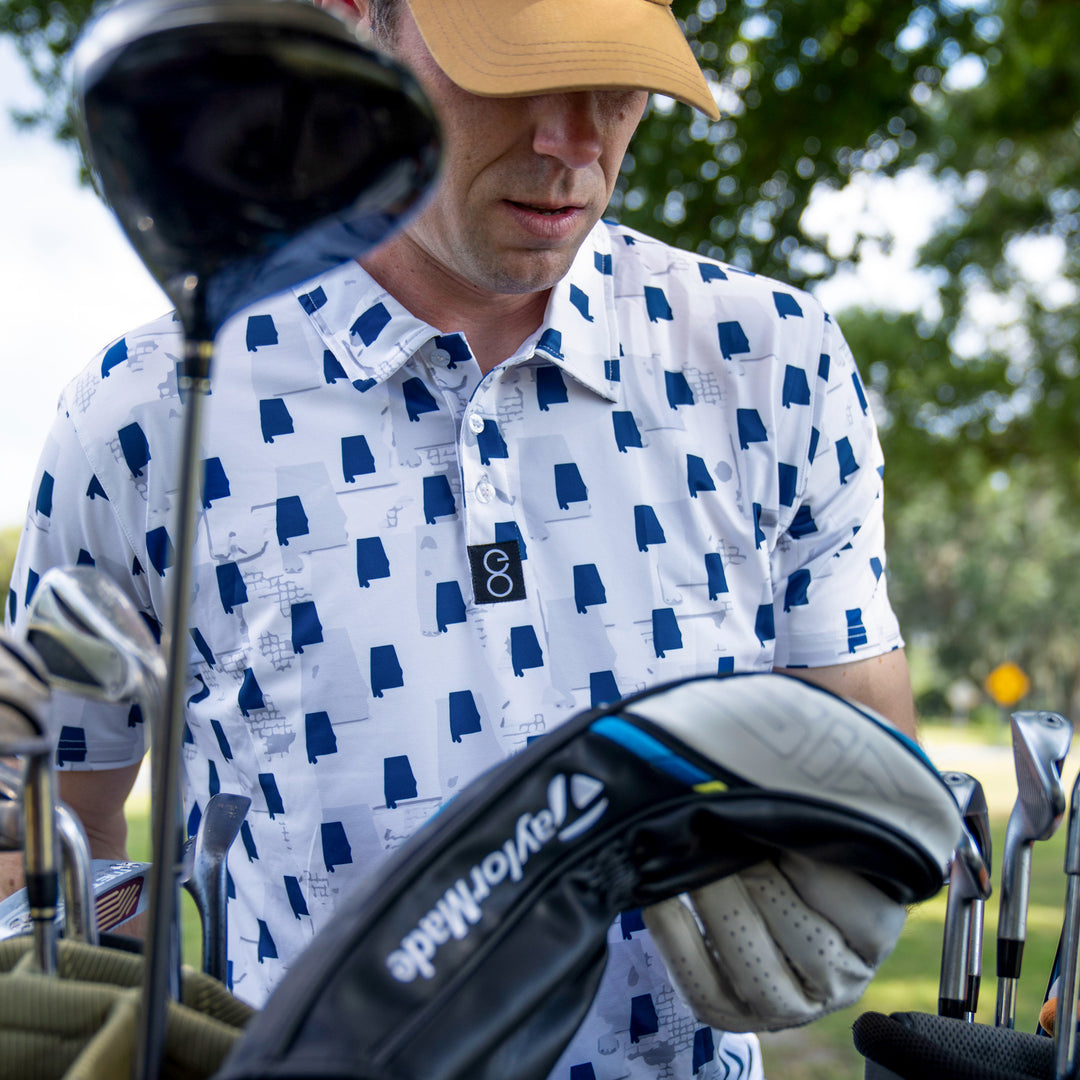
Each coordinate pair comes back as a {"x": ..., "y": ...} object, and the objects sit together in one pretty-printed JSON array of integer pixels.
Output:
[{"x": 566, "y": 127}]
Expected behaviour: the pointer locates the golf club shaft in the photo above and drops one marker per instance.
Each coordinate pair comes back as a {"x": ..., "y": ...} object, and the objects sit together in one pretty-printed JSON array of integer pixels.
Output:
[
  {"x": 1064, "y": 1031},
  {"x": 80, "y": 918},
  {"x": 39, "y": 853},
  {"x": 80, "y": 915},
  {"x": 975, "y": 947},
  {"x": 1065, "y": 1063},
  {"x": 953, "y": 987},
  {"x": 166, "y": 824},
  {"x": 215, "y": 945},
  {"x": 1012, "y": 931}
]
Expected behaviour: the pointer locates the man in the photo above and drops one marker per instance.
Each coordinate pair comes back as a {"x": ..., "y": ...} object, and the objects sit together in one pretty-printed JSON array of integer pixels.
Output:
[{"x": 515, "y": 464}]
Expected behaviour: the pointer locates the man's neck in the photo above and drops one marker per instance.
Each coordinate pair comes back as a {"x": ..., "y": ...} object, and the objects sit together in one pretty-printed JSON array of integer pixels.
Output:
[{"x": 494, "y": 324}]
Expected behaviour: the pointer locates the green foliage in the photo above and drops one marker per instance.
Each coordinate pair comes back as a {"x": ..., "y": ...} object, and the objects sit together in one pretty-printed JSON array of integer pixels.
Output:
[
  {"x": 43, "y": 32},
  {"x": 812, "y": 91},
  {"x": 9, "y": 541}
]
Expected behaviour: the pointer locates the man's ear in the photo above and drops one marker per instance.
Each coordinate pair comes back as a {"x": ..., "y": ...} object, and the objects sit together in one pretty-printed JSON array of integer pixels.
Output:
[{"x": 353, "y": 10}]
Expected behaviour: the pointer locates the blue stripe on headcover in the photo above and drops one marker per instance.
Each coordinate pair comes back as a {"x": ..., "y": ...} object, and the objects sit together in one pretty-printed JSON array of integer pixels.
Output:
[
  {"x": 649, "y": 749},
  {"x": 915, "y": 748}
]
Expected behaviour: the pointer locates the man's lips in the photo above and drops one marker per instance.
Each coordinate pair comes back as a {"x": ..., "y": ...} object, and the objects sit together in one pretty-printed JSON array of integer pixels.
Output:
[
  {"x": 546, "y": 223},
  {"x": 545, "y": 208}
]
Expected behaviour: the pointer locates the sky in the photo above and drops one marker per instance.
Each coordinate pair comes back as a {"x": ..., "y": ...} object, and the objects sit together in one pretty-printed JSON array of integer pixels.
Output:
[{"x": 70, "y": 283}]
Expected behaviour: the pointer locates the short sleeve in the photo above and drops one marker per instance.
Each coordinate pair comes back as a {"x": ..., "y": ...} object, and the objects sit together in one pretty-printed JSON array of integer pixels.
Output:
[
  {"x": 830, "y": 599},
  {"x": 70, "y": 521}
]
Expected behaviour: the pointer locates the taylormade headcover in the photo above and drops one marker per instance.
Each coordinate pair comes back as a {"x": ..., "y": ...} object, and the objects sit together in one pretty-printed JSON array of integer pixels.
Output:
[{"x": 476, "y": 952}]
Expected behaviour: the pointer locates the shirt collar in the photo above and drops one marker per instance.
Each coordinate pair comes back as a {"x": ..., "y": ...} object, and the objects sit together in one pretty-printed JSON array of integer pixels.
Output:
[{"x": 372, "y": 335}]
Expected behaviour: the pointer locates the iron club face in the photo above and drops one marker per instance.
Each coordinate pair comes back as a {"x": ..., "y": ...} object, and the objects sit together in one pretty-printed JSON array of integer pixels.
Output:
[
  {"x": 246, "y": 146},
  {"x": 1040, "y": 742},
  {"x": 24, "y": 697},
  {"x": 91, "y": 638},
  {"x": 221, "y": 821},
  {"x": 969, "y": 887}
]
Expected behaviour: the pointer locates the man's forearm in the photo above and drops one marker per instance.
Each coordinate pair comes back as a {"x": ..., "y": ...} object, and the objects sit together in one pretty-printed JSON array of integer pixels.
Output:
[{"x": 11, "y": 873}]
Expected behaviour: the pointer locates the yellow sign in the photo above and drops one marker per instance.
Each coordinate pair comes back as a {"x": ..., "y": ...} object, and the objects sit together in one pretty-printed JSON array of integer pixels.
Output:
[{"x": 1007, "y": 684}]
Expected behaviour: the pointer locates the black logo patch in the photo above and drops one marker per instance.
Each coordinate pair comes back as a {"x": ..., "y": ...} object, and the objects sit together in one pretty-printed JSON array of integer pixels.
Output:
[{"x": 497, "y": 574}]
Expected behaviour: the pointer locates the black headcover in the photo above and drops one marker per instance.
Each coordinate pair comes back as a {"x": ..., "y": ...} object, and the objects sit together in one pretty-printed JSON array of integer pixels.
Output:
[{"x": 484, "y": 935}]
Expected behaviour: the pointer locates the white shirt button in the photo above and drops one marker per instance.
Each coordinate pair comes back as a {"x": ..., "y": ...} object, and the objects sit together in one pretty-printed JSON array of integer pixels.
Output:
[
  {"x": 485, "y": 491},
  {"x": 440, "y": 357},
  {"x": 476, "y": 423}
]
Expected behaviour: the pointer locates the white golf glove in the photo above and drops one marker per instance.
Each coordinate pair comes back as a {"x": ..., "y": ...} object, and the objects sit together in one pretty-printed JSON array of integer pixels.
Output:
[
  {"x": 777, "y": 945},
  {"x": 795, "y": 937}
]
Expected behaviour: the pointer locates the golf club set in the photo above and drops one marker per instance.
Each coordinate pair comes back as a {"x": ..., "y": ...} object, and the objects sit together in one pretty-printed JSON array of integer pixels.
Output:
[
  {"x": 85, "y": 637},
  {"x": 952, "y": 1043}
]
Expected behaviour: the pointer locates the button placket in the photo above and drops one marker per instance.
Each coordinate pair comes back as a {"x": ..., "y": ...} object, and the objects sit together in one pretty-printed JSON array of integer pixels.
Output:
[{"x": 482, "y": 481}]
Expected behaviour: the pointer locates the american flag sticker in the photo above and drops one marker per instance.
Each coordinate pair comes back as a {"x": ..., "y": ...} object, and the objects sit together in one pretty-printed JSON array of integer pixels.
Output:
[{"x": 119, "y": 903}]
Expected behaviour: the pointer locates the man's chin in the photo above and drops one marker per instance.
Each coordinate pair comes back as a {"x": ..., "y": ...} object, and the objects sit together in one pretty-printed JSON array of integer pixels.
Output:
[{"x": 530, "y": 271}]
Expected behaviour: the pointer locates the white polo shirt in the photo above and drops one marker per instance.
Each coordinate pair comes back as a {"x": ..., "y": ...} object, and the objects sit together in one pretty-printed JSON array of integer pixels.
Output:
[{"x": 405, "y": 569}]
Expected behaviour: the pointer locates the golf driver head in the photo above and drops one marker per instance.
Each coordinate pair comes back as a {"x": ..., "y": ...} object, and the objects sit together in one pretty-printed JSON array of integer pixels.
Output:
[
  {"x": 89, "y": 635},
  {"x": 247, "y": 145},
  {"x": 1040, "y": 743}
]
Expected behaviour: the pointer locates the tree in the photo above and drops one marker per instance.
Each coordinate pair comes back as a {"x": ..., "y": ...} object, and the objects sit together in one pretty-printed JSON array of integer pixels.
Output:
[{"x": 43, "y": 33}]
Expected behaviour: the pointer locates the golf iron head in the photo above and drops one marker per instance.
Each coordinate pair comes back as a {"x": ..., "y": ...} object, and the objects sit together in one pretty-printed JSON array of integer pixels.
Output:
[
  {"x": 220, "y": 824},
  {"x": 91, "y": 639},
  {"x": 969, "y": 887},
  {"x": 1040, "y": 743},
  {"x": 246, "y": 146}
]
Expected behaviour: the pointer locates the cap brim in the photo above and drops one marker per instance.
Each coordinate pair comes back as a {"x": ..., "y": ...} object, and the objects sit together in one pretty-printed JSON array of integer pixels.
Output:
[{"x": 509, "y": 48}]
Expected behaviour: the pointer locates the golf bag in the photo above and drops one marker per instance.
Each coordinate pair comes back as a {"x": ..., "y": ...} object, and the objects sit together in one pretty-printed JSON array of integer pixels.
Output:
[
  {"x": 80, "y": 1024},
  {"x": 485, "y": 935},
  {"x": 922, "y": 1046}
]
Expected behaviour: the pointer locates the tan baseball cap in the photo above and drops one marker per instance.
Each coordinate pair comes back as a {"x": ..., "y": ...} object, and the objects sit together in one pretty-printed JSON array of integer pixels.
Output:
[{"x": 508, "y": 48}]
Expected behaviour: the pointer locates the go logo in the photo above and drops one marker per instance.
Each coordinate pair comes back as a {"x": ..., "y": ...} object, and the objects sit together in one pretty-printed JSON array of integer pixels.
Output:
[{"x": 497, "y": 574}]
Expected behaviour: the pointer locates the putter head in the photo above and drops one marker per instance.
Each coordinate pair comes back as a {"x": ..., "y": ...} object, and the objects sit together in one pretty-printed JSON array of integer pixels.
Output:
[
  {"x": 119, "y": 892},
  {"x": 971, "y": 799},
  {"x": 24, "y": 701},
  {"x": 89, "y": 635},
  {"x": 246, "y": 146},
  {"x": 1040, "y": 742}
]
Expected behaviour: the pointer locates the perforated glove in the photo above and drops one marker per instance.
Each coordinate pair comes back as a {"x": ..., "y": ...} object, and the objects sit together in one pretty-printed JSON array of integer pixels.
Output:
[
  {"x": 777, "y": 945},
  {"x": 789, "y": 940}
]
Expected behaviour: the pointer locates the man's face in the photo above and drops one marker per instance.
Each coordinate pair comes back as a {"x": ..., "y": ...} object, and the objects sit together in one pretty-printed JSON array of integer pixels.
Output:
[{"x": 523, "y": 180}]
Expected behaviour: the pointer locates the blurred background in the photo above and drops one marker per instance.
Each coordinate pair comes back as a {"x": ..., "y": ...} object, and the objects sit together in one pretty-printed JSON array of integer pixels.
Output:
[{"x": 914, "y": 164}]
